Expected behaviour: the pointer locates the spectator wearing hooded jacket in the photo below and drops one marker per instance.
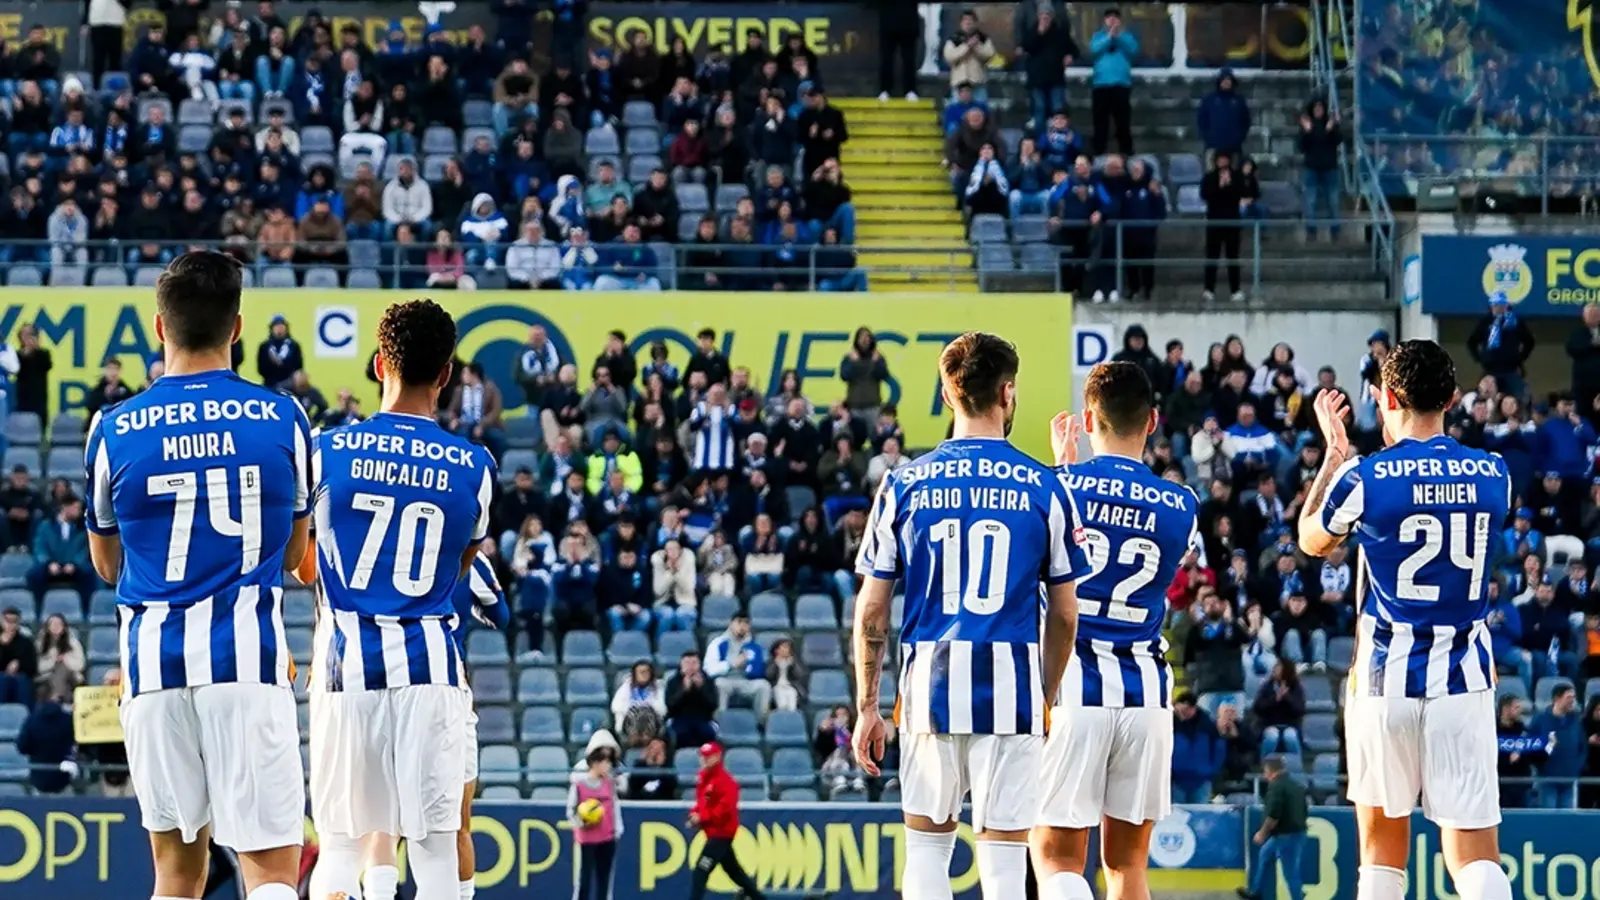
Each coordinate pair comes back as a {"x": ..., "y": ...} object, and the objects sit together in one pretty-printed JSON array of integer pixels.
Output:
[
  {"x": 956, "y": 110},
  {"x": 1029, "y": 180},
  {"x": 1077, "y": 210},
  {"x": 279, "y": 356},
  {"x": 406, "y": 200},
  {"x": 1047, "y": 49},
  {"x": 579, "y": 260},
  {"x": 1059, "y": 145},
  {"x": 1143, "y": 208},
  {"x": 1224, "y": 118},
  {"x": 1320, "y": 140},
  {"x": 1136, "y": 350},
  {"x": 1198, "y": 751},
  {"x": 1564, "y": 441},
  {"x": 1501, "y": 343},
  {"x": 483, "y": 231},
  {"x": 964, "y": 145}
]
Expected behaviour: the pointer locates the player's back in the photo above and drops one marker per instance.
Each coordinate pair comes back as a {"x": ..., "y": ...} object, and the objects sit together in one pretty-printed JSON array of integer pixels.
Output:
[
  {"x": 1423, "y": 513},
  {"x": 202, "y": 477},
  {"x": 1137, "y": 528},
  {"x": 398, "y": 502},
  {"x": 972, "y": 528}
]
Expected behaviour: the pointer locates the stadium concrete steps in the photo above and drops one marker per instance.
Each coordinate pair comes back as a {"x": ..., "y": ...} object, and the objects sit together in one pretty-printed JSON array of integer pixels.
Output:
[{"x": 909, "y": 232}]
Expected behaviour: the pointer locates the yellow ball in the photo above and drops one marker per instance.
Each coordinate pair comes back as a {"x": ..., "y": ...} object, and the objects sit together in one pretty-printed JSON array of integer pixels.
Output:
[{"x": 590, "y": 811}]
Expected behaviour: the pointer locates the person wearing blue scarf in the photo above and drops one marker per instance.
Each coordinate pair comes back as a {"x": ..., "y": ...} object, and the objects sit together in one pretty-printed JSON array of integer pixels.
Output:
[{"x": 1502, "y": 343}]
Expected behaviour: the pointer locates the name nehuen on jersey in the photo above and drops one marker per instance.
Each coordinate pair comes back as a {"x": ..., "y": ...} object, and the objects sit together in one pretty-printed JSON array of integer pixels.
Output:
[
  {"x": 1434, "y": 494},
  {"x": 400, "y": 471}
]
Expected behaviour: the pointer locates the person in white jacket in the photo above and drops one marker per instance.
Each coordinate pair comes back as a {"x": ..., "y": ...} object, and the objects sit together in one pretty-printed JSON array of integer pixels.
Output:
[
  {"x": 68, "y": 231},
  {"x": 641, "y": 690},
  {"x": 534, "y": 261},
  {"x": 578, "y": 260},
  {"x": 407, "y": 199},
  {"x": 198, "y": 68},
  {"x": 1282, "y": 356},
  {"x": 482, "y": 230},
  {"x": 677, "y": 606}
]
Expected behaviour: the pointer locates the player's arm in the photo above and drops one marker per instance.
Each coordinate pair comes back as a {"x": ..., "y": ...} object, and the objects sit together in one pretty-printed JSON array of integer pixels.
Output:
[
  {"x": 105, "y": 540},
  {"x": 480, "y": 528},
  {"x": 879, "y": 565},
  {"x": 307, "y": 478},
  {"x": 488, "y": 602},
  {"x": 1333, "y": 504},
  {"x": 1066, "y": 564}
]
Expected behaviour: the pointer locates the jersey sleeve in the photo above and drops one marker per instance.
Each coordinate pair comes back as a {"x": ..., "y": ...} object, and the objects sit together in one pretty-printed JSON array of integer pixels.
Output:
[
  {"x": 1346, "y": 499},
  {"x": 99, "y": 515},
  {"x": 1067, "y": 562},
  {"x": 304, "y": 445},
  {"x": 879, "y": 556},
  {"x": 480, "y": 528},
  {"x": 488, "y": 604}
]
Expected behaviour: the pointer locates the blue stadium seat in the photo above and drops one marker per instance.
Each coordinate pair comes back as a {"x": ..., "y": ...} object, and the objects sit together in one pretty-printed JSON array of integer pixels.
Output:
[
  {"x": 688, "y": 226},
  {"x": 103, "y": 607},
  {"x": 738, "y": 728},
  {"x": 821, "y": 649},
  {"x": 1544, "y": 689},
  {"x": 1318, "y": 734},
  {"x": 433, "y": 168},
  {"x": 1281, "y": 199},
  {"x": 692, "y": 200},
  {"x": 799, "y": 498},
  {"x": 66, "y": 462},
  {"x": 671, "y": 646},
  {"x": 64, "y": 603},
  {"x": 300, "y": 641},
  {"x": 146, "y": 276},
  {"x": 549, "y": 793},
  {"x": 1184, "y": 169},
  {"x": 441, "y": 140},
  {"x": 69, "y": 276},
  {"x": 512, "y": 460},
  {"x": 729, "y": 195},
  {"x": 364, "y": 254},
  {"x": 798, "y": 795},
  {"x": 114, "y": 82},
  {"x": 299, "y": 607},
  {"x": 767, "y": 610},
  {"x": 586, "y": 720},
  {"x": 67, "y": 429},
  {"x": 12, "y": 715},
  {"x": 104, "y": 646},
  {"x": 587, "y": 687},
  {"x": 193, "y": 138},
  {"x": 24, "y": 276},
  {"x": 1030, "y": 229},
  {"x": 491, "y": 684},
  {"x": 1511, "y": 686},
  {"x": 829, "y": 687},
  {"x": 996, "y": 258},
  {"x": 640, "y": 167},
  {"x": 787, "y": 728},
  {"x": 582, "y": 648},
  {"x": 717, "y": 609},
  {"x": 1040, "y": 257},
  {"x": 322, "y": 277},
  {"x": 540, "y": 725},
  {"x": 14, "y": 567},
  {"x": 108, "y": 276},
  {"x": 277, "y": 277},
  {"x": 24, "y": 428},
  {"x": 471, "y": 133},
  {"x": 315, "y": 139},
  {"x": 225, "y": 110},
  {"x": 487, "y": 648},
  {"x": 523, "y": 433},
  {"x": 745, "y": 765},
  {"x": 499, "y": 764},
  {"x": 195, "y": 112},
  {"x": 602, "y": 141},
  {"x": 639, "y": 114},
  {"x": 281, "y": 105},
  {"x": 1319, "y": 694},
  {"x": 1341, "y": 653},
  {"x": 18, "y": 597},
  {"x": 686, "y": 762},
  {"x": 793, "y": 768},
  {"x": 477, "y": 114},
  {"x": 13, "y": 765},
  {"x": 988, "y": 228},
  {"x": 627, "y": 648},
  {"x": 642, "y": 140},
  {"x": 548, "y": 765},
  {"x": 500, "y": 793},
  {"x": 1325, "y": 773},
  {"x": 814, "y": 612},
  {"x": 538, "y": 687},
  {"x": 1189, "y": 202}
]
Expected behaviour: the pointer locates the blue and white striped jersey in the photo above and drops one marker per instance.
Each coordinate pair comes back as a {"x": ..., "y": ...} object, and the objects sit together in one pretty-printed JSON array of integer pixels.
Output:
[
  {"x": 398, "y": 502},
  {"x": 202, "y": 476},
  {"x": 1423, "y": 514},
  {"x": 972, "y": 528},
  {"x": 713, "y": 436},
  {"x": 479, "y": 596},
  {"x": 1137, "y": 528}
]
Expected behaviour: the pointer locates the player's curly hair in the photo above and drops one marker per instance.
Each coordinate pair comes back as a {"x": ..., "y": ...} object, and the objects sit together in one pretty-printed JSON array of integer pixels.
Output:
[
  {"x": 977, "y": 366},
  {"x": 1421, "y": 375},
  {"x": 417, "y": 340},
  {"x": 198, "y": 298},
  {"x": 1121, "y": 397}
]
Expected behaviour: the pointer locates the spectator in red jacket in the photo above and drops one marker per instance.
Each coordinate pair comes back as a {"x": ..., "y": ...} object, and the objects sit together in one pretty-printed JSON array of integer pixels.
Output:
[
  {"x": 1186, "y": 585},
  {"x": 716, "y": 812}
]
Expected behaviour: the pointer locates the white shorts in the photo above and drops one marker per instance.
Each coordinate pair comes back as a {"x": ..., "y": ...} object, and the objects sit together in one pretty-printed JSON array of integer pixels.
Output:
[
  {"x": 1106, "y": 762},
  {"x": 1444, "y": 748},
  {"x": 389, "y": 760},
  {"x": 1000, "y": 770},
  {"x": 227, "y": 755},
  {"x": 471, "y": 751}
]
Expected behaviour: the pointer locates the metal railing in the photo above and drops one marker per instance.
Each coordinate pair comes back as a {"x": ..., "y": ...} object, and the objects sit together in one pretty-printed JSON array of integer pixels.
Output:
[
  {"x": 1332, "y": 20},
  {"x": 1543, "y": 166},
  {"x": 1027, "y": 248}
]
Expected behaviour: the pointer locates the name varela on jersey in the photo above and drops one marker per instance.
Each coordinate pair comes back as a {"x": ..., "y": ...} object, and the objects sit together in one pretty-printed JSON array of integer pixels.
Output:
[
  {"x": 202, "y": 477},
  {"x": 1424, "y": 526},
  {"x": 972, "y": 529},
  {"x": 398, "y": 502},
  {"x": 1137, "y": 528}
]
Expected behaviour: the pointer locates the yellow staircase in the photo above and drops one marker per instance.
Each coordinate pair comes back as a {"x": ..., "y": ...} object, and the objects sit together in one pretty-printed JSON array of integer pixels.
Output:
[{"x": 909, "y": 232}]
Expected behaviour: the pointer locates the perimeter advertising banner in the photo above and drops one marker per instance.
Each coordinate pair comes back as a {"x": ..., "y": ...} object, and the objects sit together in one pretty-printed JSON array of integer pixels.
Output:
[
  {"x": 843, "y": 35},
  {"x": 1548, "y": 854},
  {"x": 95, "y": 850},
  {"x": 1553, "y": 276},
  {"x": 768, "y": 333}
]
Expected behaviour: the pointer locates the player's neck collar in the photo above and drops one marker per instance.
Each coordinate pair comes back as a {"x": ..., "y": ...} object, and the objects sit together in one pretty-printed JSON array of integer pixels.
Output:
[
  {"x": 198, "y": 373},
  {"x": 404, "y": 415}
]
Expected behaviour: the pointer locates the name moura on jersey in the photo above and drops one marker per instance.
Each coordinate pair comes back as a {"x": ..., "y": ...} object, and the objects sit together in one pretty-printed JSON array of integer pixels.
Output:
[
  {"x": 1003, "y": 498},
  {"x": 401, "y": 471},
  {"x": 206, "y": 443}
]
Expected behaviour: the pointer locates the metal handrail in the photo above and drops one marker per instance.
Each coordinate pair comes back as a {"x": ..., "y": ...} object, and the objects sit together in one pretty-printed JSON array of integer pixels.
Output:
[
  {"x": 1539, "y": 182},
  {"x": 1358, "y": 171}
]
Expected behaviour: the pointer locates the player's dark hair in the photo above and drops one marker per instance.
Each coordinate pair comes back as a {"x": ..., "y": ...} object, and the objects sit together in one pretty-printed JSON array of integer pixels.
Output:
[
  {"x": 1121, "y": 397},
  {"x": 417, "y": 339},
  {"x": 1421, "y": 376},
  {"x": 198, "y": 300},
  {"x": 977, "y": 367}
]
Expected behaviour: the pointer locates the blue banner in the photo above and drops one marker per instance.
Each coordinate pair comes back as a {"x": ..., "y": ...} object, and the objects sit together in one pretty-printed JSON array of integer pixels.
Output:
[
  {"x": 1540, "y": 276},
  {"x": 1550, "y": 855},
  {"x": 95, "y": 850}
]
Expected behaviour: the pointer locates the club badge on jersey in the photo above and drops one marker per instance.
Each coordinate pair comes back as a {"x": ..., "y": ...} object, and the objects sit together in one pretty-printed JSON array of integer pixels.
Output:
[
  {"x": 1423, "y": 514},
  {"x": 1137, "y": 528},
  {"x": 972, "y": 529},
  {"x": 202, "y": 478},
  {"x": 398, "y": 502}
]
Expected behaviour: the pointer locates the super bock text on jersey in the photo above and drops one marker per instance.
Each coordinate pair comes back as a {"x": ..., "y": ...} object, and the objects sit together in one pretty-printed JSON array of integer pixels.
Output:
[
  {"x": 1423, "y": 513},
  {"x": 398, "y": 502},
  {"x": 1137, "y": 528},
  {"x": 972, "y": 529},
  {"x": 202, "y": 478}
]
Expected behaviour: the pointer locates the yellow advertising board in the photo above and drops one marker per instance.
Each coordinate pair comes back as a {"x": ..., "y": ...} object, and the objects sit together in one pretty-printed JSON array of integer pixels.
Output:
[{"x": 768, "y": 333}]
